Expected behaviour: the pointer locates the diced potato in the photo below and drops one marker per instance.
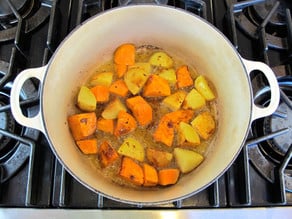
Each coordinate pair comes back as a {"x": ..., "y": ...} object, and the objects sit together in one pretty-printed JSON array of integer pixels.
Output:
[
  {"x": 132, "y": 148},
  {"x": 169, "y": 75},
  {"x": 187, "y": 160},
  {"x": 158, "y": 158},
  {"x": 86, "y": 100},
  {"x": 112, "y": 110},
  {"x": 187, "y": 135},
  {"x": 201, "y": 84},
  {"x": 136, "y": 77},
  {"x": 194, "y": 100},
  {"x": 103, "y": 78},
  {"x": 204, "y": 124},
  {"x": 174, "y": 101},
  {"x": 161, "y": 59}
]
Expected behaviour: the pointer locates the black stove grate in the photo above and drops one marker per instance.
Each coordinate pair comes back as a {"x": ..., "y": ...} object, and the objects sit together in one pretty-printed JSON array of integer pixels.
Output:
[{"x": 41, "y": 181}]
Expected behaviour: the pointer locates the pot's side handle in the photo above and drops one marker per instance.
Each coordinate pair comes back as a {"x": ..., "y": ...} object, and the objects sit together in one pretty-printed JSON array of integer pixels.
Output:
[
  {"x": 33, "y": 122},
  {"x": 259, "y": 112}
]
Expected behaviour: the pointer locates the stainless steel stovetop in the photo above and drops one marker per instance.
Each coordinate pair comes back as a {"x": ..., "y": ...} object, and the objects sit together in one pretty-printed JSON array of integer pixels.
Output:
[{"x": 33, "y": 184}]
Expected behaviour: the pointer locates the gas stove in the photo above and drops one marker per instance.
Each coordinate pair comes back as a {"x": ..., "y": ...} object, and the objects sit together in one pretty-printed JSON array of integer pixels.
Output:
[{"x": 31, "y": 178}]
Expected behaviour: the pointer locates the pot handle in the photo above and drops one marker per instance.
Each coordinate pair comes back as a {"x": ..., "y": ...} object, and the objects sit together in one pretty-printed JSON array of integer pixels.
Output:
[
  {"x": 257, "y": 111},
  {"x": 35, "y": 122}
]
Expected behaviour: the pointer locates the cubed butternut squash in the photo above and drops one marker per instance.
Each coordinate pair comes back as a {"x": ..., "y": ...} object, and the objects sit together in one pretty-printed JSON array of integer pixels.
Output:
[
  {"x": 156, "y": 86},
  {"x": 131, "y": 171},
  {"x": 105, "y": 125},
  {"x": 141, "y": 109},
  {"x": 87, "y": 146},
  {"x": 183, "y": 76},
  {"x": 158, "y": 158},
  {"x": 168, "y": 176},
  {"x": 107, "y": 154},
  {"x": 126, "y": 123},
  {"x": 82, "y": 125},
  {"x": 150, "y": 175}
]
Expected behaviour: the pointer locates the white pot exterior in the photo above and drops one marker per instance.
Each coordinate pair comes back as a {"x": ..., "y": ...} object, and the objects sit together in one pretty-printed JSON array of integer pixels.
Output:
[{"x": 177, "y": 32}]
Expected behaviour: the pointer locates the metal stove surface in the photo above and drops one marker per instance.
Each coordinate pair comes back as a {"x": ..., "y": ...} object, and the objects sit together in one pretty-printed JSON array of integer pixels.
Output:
[{"x": 38, "y": 186}]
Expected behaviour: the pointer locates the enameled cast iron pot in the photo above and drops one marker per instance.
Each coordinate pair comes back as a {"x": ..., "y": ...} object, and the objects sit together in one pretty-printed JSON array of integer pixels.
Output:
[{"x": 180, "y": 34}]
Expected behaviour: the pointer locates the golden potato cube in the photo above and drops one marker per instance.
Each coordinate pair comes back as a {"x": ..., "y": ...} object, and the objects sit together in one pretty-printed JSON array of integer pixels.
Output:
[
  {"x": 204, "y": 124},
  {"x": 161, "y": 59},
  {"x": 103, "y": 78},
  {"x": 174, "y": 101},
  {"x": 187, "y": 135},
  {"x": 132, "y": 148},
  {"x": 112, "y": 110},
  {"x": 201, "y": 84},
  {"x": 194, "y": 100},
  {"x": 187, "y": 160},
  {"x": 169, "y": 75},
  {"x": 136, "y": 77},
  {"x": 86, "y": 100}
]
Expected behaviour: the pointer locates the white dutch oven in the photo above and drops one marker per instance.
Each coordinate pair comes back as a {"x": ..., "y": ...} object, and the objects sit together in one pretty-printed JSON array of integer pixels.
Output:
[{"x": 177, "y": 32}]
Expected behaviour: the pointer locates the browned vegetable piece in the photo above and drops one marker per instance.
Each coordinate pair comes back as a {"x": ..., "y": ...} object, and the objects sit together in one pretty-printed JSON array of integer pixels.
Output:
[
  {"x": 125, "y": 54},
  {"x": 101, "y": 93},
  {"x": 180, "y": 116},
  {"x": 82, "y": 125},
  {"x": 204, "y": 124},
  {"x": 158, "y": 158},
  {"x": 156, "y": 86},
  {"x": 131, "y": 171},
  {"x": 88, "y": 146},
  {"x": 119, "y": 88},
  {"x": 168, "y": 176},
  {"x": 106, "y": 154},
  {"x": 126, "y": 123},
  {"x": 141, "y": 109},
  {"x": 183, "y": 76},
  {"x": 150, "y": 175},
  {"x": 105, "y": 125},
  {"x": 164, "y": 132}
]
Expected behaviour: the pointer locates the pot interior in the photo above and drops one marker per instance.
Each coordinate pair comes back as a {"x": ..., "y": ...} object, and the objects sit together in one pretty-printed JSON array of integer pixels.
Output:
[{"x": 177, "y": 32}]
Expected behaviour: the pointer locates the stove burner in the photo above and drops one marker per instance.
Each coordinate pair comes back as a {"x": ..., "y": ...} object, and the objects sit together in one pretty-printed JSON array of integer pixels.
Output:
[
  {"x": 279, "y": 144},
  {"x": 279, "y": 16},
  {"x": 265, "y": 20},
  {"x": 270, "y": 151},
  {"x": 24, "y": 7},
  {"x": 6, "y": 122},
  {"x": 13, "y": 150},
  {"x": 33, "y": 13}
]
